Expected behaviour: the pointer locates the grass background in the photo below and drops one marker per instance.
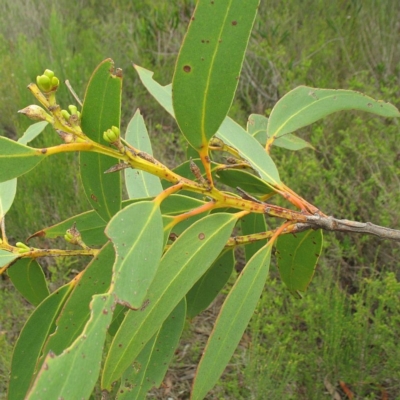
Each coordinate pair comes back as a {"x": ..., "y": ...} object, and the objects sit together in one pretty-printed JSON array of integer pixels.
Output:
[{"x": 348, "y": 325}]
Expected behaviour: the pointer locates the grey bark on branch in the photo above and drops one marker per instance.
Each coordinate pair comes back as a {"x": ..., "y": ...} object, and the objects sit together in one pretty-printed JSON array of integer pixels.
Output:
[{"x": 344, "y": 225}]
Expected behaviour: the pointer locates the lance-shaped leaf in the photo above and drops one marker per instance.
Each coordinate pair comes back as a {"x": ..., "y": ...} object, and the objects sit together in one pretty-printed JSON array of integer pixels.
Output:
[
  {"x": 163, "y": 94},
  {"x": 137, "y": 235},
  {"x": 76, "y": 312},
  {"x": 30, "y": 342},
  {"x": 32, "y": 132},
  {"x": 8, "y": 189},
  {"x": 305, "y": 105},
  {"x": 91, "y": 226},
  {"x": 297, "y": 257},
  {"x": 6, "y": 257},
  {"x": 28, "y": 278},
  {"x": 209, "y": 65},
  {"x": 73, "y": 374},
  {"x": 101, "y": 110},
  {"x": 150, "y": 366},
  {"x": 180, "y": 268},
  {"x": 206, "y": 289},
  {"x": 231, "y": 322},
  {"x": 234, "y": 135},
  {"x": 17, "y": 159},
  {"x": 230, "y": 132},
  {"x": 253, "y": 223},
  {"x": 257, "y": 127},
  {"x": 140, "y": 183},
  {"x": 244, "y": 180}
]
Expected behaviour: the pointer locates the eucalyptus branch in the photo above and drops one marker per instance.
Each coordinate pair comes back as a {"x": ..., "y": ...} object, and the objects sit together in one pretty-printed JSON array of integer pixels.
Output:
[{"x": 344, "y": 225}]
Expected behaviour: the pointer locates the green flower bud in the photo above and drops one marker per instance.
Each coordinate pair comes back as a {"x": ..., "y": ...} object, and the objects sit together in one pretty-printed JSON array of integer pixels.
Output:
[
  {"x": 23, "y": 248},
  {"x": 65, "y": 114},
  {"x": 49, "y": 73},
  {"x": 44, "y": 83},
  {"x": 69, "y": 237},
  {"x": 55, "y": 82},
  {"x": 111, "y": 135},
  {"x": 73, "y": 109}
]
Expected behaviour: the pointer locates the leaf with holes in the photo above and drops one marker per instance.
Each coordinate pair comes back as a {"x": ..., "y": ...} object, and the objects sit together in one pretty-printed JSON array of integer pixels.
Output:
[
  {"x": 209, "y": 65},
  {"x": 229, "y": 132}
]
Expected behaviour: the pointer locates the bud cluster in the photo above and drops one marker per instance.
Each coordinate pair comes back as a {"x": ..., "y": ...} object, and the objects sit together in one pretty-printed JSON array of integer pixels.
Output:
[
  {"x": 73, "y": 116},
  {"x": 112, "y": 135},
  {"x": 47, "y": 82}
]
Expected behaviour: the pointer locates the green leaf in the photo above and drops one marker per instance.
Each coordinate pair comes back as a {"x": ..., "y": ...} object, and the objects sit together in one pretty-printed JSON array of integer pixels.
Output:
[
  {"x": 163, "y": 94},
  {"x": 253, "y": 223},
  {"x": 76, "y": 312},
  {"x": 8, "y": 189},
  {"x": 177, "y": 204},
  {"x": 6, "y": 257},
  {"x": 140, "y": 183},
  {"x": 30, "y": 342},
  {"x": 28, "y": 278},
  {"x": 118, "y": 317},
  {"x": 73, "y": 374},
  {"x": 209, "y": 65},
  {"x": 181, "y": 266},
  {"x": 297, "y": 257},
  {"x": 32, "y": 132},
  {"x": 305, "y": 105},
  {"x": 150, "y": 366},
  {"x": 231, "y": 322},
  {"x": 292, "y": 142},
  {"x": 245, "y": 180},
  {"x": 210, "y": 284},
  {"x": 257, "y": 127},
  {"x": 234, "y": 135},
  {"x": 91, "y": 225},
  {"x": 17, "y": 159},
  {"x": 230, "y": 132},
  {"x": 137, "y": 235},
  {"x": 101, "y": 110}
]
